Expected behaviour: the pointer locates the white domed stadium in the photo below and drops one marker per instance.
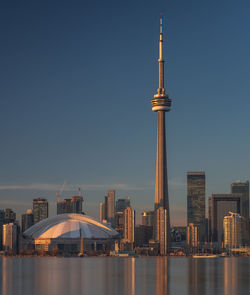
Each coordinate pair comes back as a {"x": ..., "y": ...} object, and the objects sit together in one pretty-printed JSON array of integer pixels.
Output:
[{"x": 71, "y": 233}]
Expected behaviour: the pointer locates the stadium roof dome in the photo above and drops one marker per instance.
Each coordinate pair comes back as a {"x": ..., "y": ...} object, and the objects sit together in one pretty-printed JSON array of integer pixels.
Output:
[{"x": 70, "y": 226}]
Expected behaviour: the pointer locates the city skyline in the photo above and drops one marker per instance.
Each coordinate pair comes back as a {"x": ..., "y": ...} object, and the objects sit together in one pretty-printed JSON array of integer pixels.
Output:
[{"x": 49, "y": 89}]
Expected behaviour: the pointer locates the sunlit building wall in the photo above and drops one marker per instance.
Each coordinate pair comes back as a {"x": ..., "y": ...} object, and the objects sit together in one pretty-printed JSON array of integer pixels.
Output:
[
  {"x": 102, "y": 212},
  {"x": 196, "y": 201},
  {"x": 10, "y": 238},
  {"x": 192, "y": 235},
  {"x": 233, "y": 230},
  {"x": 129, "y": 225},
  {"x": 162, "y": 226}
]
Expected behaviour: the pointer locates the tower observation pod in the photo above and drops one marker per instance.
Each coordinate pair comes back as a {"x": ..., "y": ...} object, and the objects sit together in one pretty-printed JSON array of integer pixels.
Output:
[{"x": 161, "y": 103}]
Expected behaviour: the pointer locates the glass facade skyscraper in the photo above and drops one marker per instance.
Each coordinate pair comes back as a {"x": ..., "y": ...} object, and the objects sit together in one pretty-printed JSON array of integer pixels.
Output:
[
  {"x": 196, "y": 201},
  {"x": 242, "y": 188},
  {"x": 40, "y": 209}
]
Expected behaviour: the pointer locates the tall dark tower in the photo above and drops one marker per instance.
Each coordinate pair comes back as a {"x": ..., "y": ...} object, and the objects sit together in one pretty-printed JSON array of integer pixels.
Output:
[{"x": 161, "y": 103}]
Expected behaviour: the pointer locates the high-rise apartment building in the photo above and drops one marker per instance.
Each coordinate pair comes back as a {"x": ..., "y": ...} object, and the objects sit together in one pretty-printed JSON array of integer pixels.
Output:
[
  {"x": 192, "y": 235},
  {"x": 72, "y": 205},
  {"x": 129, "y": 225},
  {"x": 76, "y": 204},
  {"x": 162, "y": 229},
  {"x": 27, "y": 220},
  {"x": 10, "y": 237},
  {"x": 233, "y": 226},
  {"x": 196, "y": 201},
  {"x": 161, "y": 103},
  {"x": 147, "y": 218},
  {"x": 40, "y": 209},
  {"x": 102, "y": 212},
  {"x": 219, "y": 206},
  {"x": 242, "y": 188}
]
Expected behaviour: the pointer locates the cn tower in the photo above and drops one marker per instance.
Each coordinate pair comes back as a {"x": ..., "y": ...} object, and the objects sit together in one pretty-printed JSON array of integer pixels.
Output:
[{"x": 161, "y": 103}]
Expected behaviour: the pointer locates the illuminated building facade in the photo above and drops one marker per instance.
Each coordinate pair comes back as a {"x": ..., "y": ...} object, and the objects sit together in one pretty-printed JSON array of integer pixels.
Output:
[{"x": 233, "y": 226}]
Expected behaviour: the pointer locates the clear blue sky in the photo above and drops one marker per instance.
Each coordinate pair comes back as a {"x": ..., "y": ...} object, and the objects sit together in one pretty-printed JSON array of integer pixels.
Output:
[{"x": 76, "y": 82}]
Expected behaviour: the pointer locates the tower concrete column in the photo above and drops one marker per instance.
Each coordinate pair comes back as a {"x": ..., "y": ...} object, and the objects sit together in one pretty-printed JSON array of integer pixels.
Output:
[{"x": 161, "y": 103}]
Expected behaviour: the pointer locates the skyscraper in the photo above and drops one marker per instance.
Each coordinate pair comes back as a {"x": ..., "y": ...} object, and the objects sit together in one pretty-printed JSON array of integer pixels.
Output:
[
  {"x": 129, "y": 225},
  {"x": 10, "y": 237},
  {"x": 233, "y": 230},
  {"x": 122, "y": 204},
  {"x": 102, "y": 212},
  {"x": 111, "y": 207},
  {"x": 162, "y": 229},
  {"x": 27, "y": 220},
  {"x": 161, "y": 103},
  {"x": 40, "y": 209},
  {"x": 192, "y": 235},
  {"x": 147, "y": 218},
  {"x": 219, "y": 206},
  {"x": 242, "y": 188},
  {"x": 72, "y": 205},
  {"x": 196, "y": 201}
]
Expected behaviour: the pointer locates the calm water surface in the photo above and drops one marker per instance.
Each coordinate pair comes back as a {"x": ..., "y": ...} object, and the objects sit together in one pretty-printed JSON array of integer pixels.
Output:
[{"x": 106, "y": 275}]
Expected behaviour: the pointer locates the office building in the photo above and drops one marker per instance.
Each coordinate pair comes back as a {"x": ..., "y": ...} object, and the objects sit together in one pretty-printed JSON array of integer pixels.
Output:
[
  {"x": 161, "y": 103},
  {"x": 196, "y": 202},
  {"x": 219, "y": 206},
  {"x": 111, "y": 207},
  {"x": 27, "y": 220},
  {"x": 122, "y": 204},
  {"x": 233, "y": 226},
  {"x": 192, "y": 235},
  {"x": 162, "y": 230},
  {"x": 40, "y": 209},
  {"x": 242, "y": 188},
  {"x": 147, "y": 218},
  {"x": 10, "y": 237}
]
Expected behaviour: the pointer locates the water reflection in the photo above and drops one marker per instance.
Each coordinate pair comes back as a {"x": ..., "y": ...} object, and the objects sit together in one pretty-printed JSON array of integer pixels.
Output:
[
  {"x": 161, "y": 276},
  {"x": 196, "y": 276},
  {"x": 111, "y": 276}
]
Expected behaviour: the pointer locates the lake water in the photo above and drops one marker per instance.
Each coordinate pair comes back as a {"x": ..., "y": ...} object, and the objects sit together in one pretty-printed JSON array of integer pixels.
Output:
[{"x": 107, "y": 275}]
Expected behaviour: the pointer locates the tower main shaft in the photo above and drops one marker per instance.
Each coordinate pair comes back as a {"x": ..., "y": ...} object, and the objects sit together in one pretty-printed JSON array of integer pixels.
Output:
[{"x": 161, "y": 104}]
